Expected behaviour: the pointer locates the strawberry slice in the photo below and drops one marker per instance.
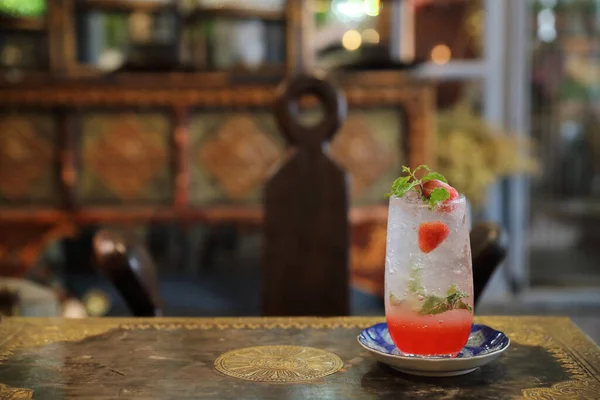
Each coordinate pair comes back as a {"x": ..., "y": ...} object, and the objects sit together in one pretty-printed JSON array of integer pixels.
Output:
[
  {"x": 430, "y": 186},
  {"x": 431, "y": 235}
]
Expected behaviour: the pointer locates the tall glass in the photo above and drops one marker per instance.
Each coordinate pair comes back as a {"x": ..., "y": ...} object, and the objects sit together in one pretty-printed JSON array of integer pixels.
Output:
[{"x": 428, "y": 293}]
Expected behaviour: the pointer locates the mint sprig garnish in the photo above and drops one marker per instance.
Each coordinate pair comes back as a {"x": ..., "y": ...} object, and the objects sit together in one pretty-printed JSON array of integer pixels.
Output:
[
  {"x": 437, "y": 196},
  {"x": 405, "y": 184},
  {"x": 433, "y": 176},
  {"x": 402, "y": 186},
  {"x": 433, "y": 305}
]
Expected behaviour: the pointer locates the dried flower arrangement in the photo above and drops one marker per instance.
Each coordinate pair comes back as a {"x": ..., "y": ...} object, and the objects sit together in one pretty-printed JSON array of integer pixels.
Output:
[{"x": 473, "y": 155}]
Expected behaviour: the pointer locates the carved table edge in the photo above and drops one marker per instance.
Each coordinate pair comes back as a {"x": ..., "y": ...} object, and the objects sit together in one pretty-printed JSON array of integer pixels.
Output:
[{"x": 255, "y": 322}]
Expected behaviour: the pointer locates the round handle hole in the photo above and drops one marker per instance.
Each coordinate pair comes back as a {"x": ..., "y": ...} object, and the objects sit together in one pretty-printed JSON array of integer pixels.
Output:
[{"x": 307, "y": 110}]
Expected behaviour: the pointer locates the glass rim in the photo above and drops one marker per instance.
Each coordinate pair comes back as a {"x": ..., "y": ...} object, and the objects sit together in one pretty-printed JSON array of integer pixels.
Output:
[{"x": 461, "y": 199}]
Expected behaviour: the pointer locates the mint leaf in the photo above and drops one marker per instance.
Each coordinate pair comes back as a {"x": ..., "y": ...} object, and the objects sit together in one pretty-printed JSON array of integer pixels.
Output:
[
  {"x": 434, "y": 305},
  {"x": 438, "y": 196},
  {"x": 414, "y": 281},
  {"x": 401, "y": 186},
  {"x": 452, "y": 290},
  {"x": 453, "y": 301},
  {"x": 463, "y": 306},
  {"x": 423, "y": 166},
  {"x": 394, "y": 300},
  {"x": 432, "y": 176},
  {"x": 413, "y": 174},
  {"x": 455, "y": 298}
]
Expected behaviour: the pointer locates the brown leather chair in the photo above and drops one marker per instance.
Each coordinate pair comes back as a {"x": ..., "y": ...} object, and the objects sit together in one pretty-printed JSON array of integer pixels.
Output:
[{"x": 129, "y": 267}]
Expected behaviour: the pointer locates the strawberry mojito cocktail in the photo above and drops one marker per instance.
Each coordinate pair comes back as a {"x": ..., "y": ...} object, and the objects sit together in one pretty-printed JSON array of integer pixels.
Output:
[{"x": 428, "y": 273}]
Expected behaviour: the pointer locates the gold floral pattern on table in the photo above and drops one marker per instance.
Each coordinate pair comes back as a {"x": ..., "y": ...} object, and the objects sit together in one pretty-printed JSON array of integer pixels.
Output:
[
  {"x": 357, "y": 149},
  {"x": 233, "y": 154},
  {"x": 577, "y": 355},
  {"x": 278, "y": 364},
  {"x": 576, "y": 389},
  {"x": 19, "y": 333},
  {"x": 8, "y": 393},
  {"x": 28, "y": 162},
  {"x": 126, "y": 157}
]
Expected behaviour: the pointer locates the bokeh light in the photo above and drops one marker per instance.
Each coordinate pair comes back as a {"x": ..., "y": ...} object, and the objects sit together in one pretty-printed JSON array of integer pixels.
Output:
[
  {"x": 351, "y": 40},
  {"x": 441, "y": 54},
  {"x": 370, "y": 36}
]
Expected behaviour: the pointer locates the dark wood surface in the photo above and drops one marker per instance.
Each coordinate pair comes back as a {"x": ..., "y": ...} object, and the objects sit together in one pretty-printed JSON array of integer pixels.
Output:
[
  {"x": 200, "y": 12},
  {"x": 240, "y": 214},
  {"x": 306, "y": 233},
  {"x": 127, "y": 6},
  {"x": 161, "y": 358},
  {"x": 22, "y": 24}
]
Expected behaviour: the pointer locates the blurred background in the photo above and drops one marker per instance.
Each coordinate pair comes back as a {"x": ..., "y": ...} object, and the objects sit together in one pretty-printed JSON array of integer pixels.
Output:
[{"x": 152, "y": 118}]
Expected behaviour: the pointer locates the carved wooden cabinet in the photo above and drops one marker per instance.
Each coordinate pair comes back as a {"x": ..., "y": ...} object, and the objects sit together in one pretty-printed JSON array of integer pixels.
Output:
[
  {"x": 71, "y": 157},
  {"x": 80, "y": 147}
]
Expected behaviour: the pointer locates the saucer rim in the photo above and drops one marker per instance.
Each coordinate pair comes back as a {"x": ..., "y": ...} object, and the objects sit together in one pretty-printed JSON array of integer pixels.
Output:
[
  {"x": 435, "y": 374},
  {"x": 441, "y": 360}
]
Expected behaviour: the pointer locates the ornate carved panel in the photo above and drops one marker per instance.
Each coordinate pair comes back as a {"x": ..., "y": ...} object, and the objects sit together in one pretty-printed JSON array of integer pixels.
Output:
[
  {"x": 125, "y": 157},
  {"x": 369, "y": 147},
  {"x": 98, "y": 182},
  {"x": 232, "y": 155},
  {"x": 28, "y": 159},
  {"x": 361, "y": 149}
]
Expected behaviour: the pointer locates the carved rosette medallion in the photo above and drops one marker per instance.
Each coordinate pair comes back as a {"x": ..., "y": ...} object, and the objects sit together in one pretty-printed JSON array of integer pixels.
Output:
[
  {"x": 239, "y": 156},
  {"x": 24, "y": 156},
  {"x": 278, "y": 364},
  {"x": 126, "y": 156},
  {"x": 356, "y": 149}
]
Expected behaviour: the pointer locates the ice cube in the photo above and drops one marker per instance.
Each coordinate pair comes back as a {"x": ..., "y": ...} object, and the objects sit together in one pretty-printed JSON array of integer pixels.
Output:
[{"x": 412, "y": 197}]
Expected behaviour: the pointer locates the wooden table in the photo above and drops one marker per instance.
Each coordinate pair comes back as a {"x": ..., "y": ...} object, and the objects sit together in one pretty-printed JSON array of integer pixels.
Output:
[{"x": 161, "y": 358}]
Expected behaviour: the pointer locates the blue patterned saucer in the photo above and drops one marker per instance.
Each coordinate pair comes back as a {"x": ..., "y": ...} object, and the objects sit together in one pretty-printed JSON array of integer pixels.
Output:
[{"x": 484, "y": 346}]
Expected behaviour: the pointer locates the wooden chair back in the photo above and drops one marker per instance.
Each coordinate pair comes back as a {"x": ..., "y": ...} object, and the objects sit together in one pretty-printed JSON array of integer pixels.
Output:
[{"x": 305, "y": 268}]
